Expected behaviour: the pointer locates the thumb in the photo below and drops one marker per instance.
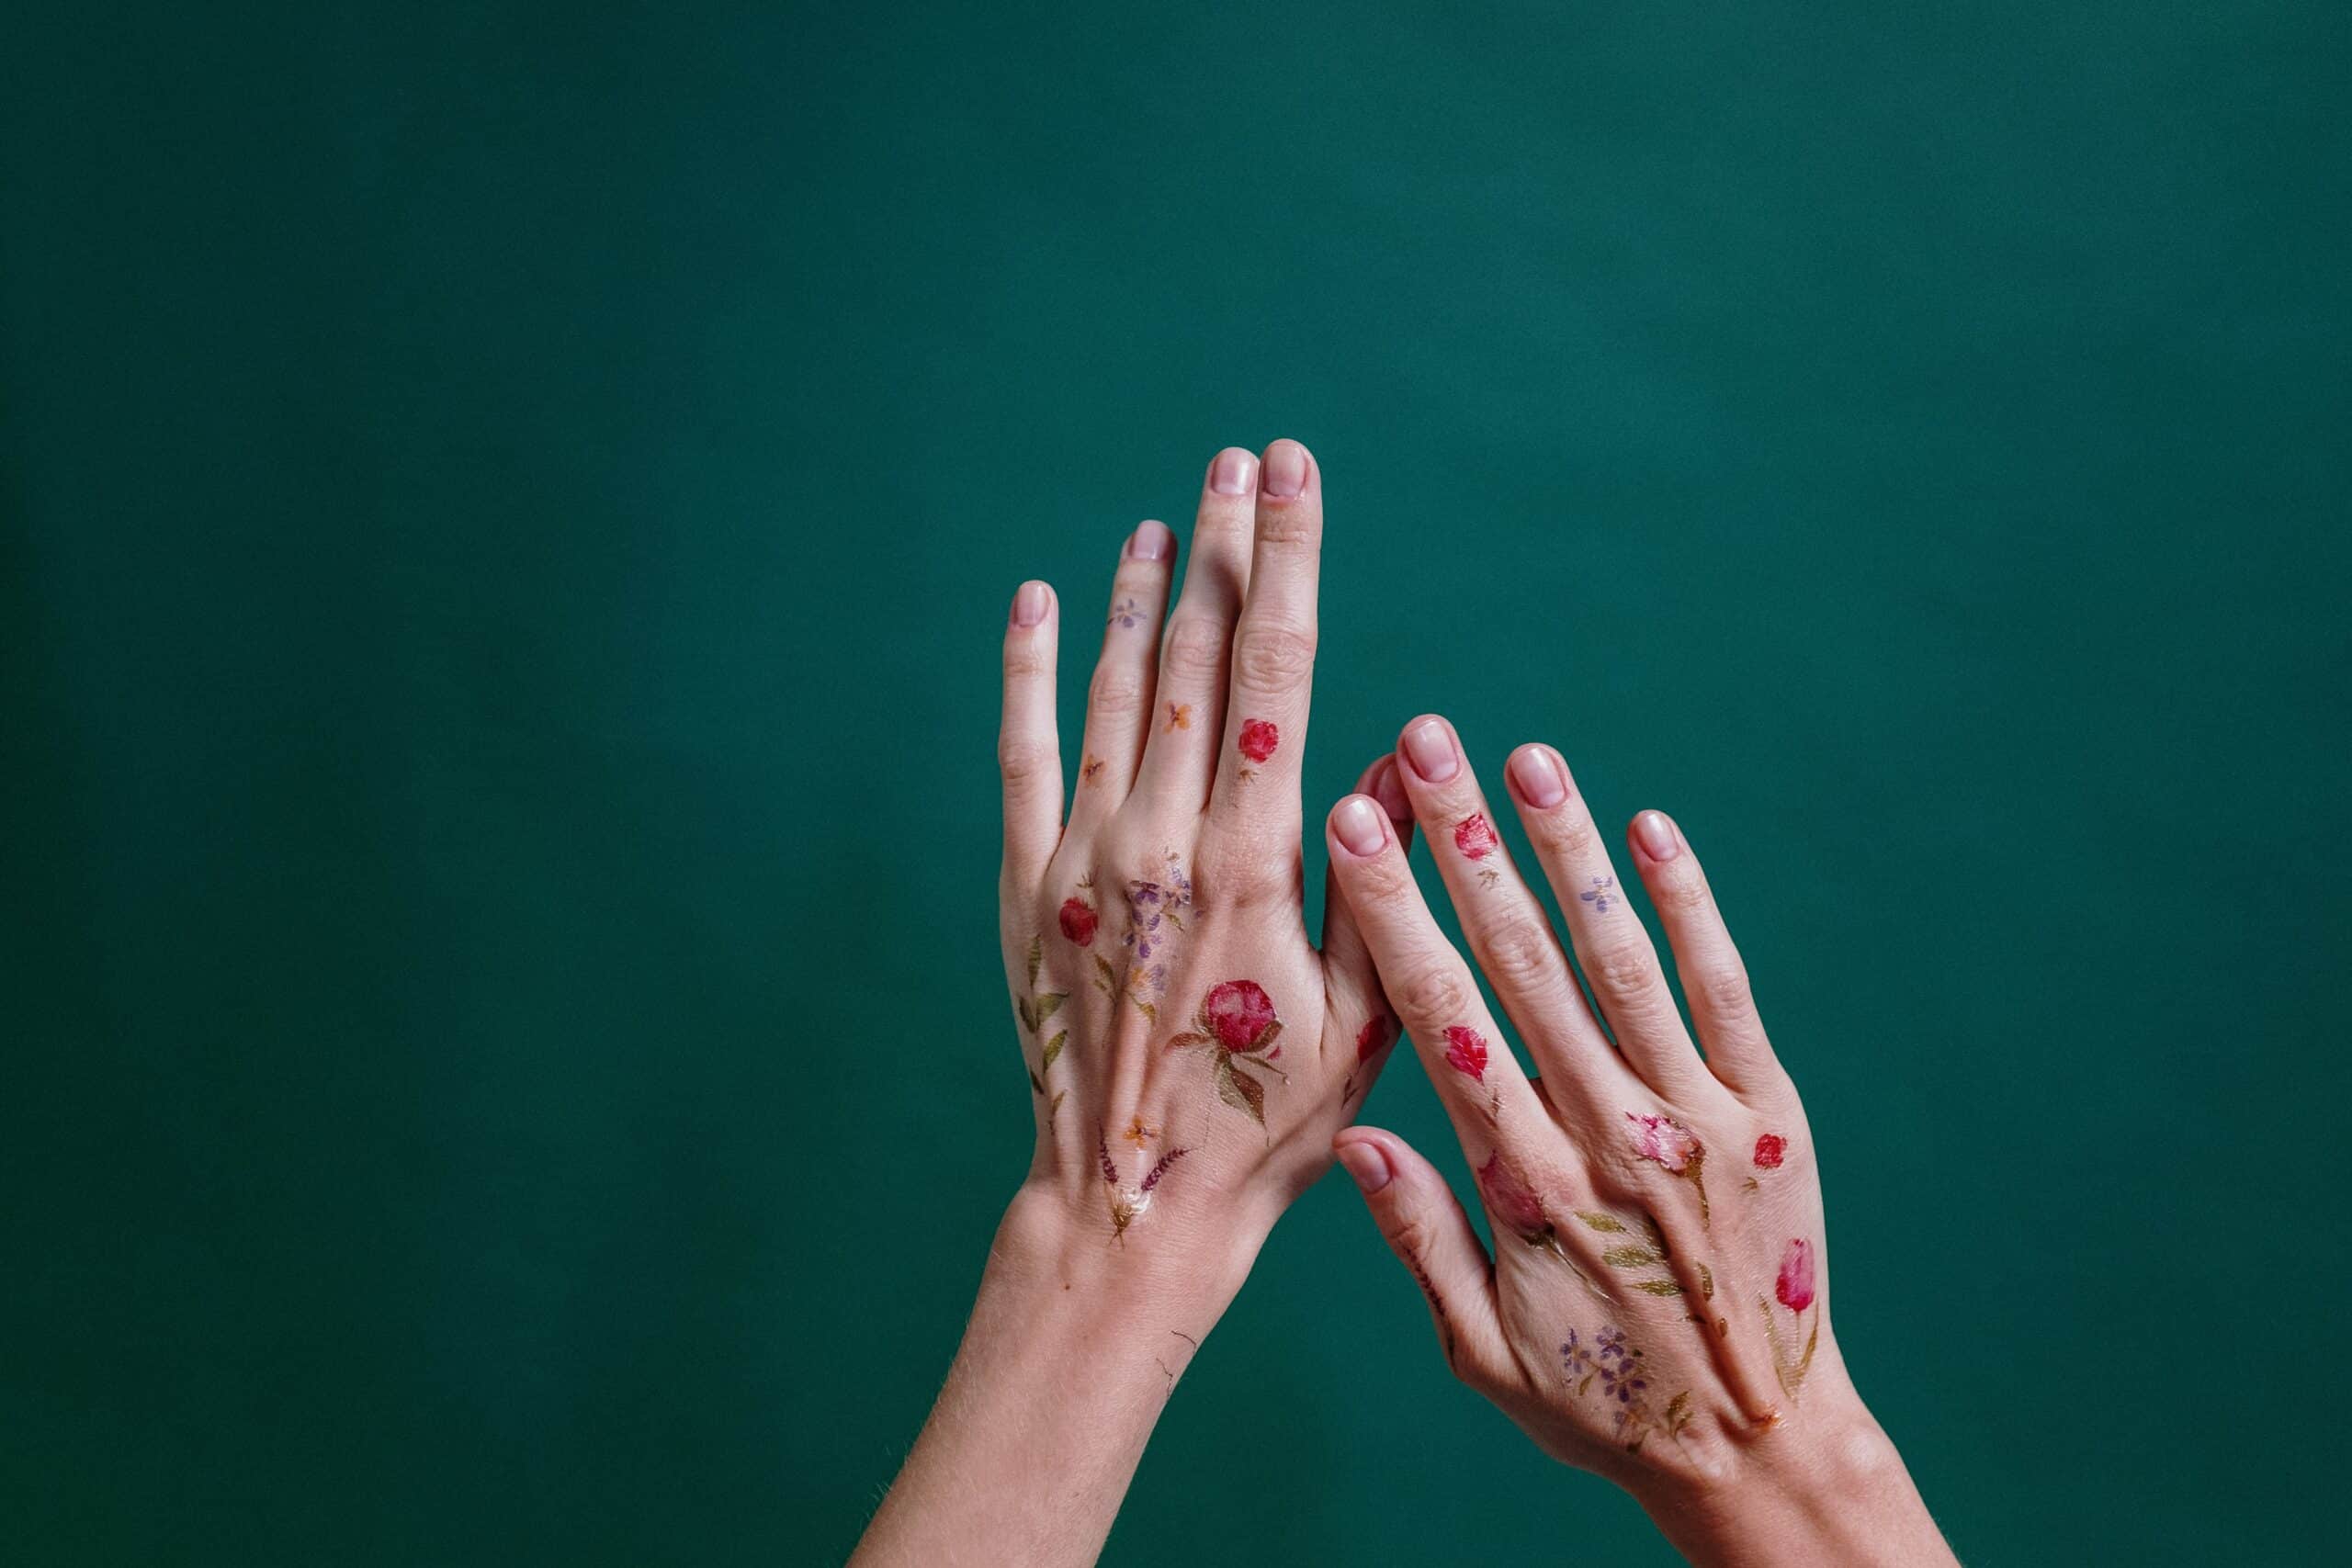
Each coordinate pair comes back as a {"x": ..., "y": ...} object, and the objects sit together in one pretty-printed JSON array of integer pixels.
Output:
[{"x": 1424, "y": 1225}]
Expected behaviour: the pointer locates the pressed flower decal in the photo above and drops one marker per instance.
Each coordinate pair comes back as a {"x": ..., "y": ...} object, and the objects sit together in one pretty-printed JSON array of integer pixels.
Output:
[
  {"x": 1139, "y": 1134},
  {"x": 1127, "y": 1204},
  {"x": 1379, "y": 1032},
  {"x": 1035, "y": 1011},
  {"x": 1638, "y": 1247},
  {"x": 1795, "y": 1288},
  {"x": 1090, "y": 770},
  {"x": 1079, "y": 920},
  {"x": 1179, "y": 715},
  {"x": 1465, "y": 1052},
  {"x": 1669, "y": 1143},
  {"x": 1474, "y": 836},
  {"x": 1236, "y": 1024},
  {"x": 1599, "y": 895},
  {"x": 1156, "y": 909},
  {"x": 1257, "y": 742},
  {"x": 1125, "y": 613},
  {"x": 1510, "y": 1200},
  {"x": 1614, "y": 1365},
  {"x": 1771, "y": 1149}
]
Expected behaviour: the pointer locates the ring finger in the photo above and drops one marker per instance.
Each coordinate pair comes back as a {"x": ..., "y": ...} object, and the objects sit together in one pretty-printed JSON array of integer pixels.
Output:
[{"x": 1124, "y": 677}]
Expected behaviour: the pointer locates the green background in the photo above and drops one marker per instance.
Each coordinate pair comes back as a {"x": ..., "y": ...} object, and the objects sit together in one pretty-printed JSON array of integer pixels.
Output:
[{"x": 509, "y": 516}]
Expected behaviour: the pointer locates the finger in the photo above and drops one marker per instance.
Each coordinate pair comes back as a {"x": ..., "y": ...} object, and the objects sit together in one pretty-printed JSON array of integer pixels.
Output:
[
  {"x": 1361, "y": 1020},
  {"x": 1119, "y": 699},
  {"x": 1509, "y": 934},
  {"x": 1477, "y": 1078},
  {"x": 1180, "y": 757},
  {"x": 1028, "y": 750},
  {"x": 1255, "y": 802},
  {"x": 1612, "y": 948},
  {"x": 1714, "y": 980},
  {"x": 1425, "y": 1225}
]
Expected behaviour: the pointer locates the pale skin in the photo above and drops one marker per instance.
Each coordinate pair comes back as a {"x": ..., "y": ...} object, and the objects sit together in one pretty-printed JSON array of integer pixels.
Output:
[
  {"x": 1195, "y": 1061},
  {"x": 1657, "y": 1305},
  {"x": 1180, "y": 845}
]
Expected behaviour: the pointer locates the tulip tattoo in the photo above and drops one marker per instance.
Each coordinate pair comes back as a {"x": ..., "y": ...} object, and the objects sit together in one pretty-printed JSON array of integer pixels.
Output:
[
  {"x": 1795, "y": 1288},
  {"x": 1674, "y": 1148}
]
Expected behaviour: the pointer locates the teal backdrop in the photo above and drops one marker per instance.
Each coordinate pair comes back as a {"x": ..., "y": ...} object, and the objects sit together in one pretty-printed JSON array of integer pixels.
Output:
[{"x": 509, "y": 512}]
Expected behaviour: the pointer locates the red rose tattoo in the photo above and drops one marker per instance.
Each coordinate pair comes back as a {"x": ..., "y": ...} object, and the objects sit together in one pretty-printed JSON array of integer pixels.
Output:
[
  {"x": 1474, "y": 836},
  {"x": 1236, "y": 1024},
  {"x": 1465, "y": 1051},
  {"x": 1079, "y": 920}
]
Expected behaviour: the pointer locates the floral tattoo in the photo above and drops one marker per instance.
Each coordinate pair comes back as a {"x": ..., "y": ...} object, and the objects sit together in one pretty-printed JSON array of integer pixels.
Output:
[
  {"x": 1379, "y": 1032},
  {"x": 1615, "y": 1365},
  {"x": 1474, "y": 836},
  {"x": 1235, "y": 1025},
  {"x": 1035, "y": 1011},
  {"x": 1599, "y": 895},
  {"x": 1156, "y": 909},
  {"x": 1179, "y": 715},
  {"x": 1794, "y": 1287},
  {"x": 1675, "y": 1148},
  {"x": 1125, "y": 613},
  {"x": 1127, "y": 1204},
  {"x": 1257, "y": 742}
]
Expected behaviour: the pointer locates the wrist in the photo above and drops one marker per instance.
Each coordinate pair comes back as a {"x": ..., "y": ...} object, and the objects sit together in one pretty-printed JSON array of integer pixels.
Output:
[
  {"x": 1181, "y": 1273},
  {"x": 1823, "y": 1486}
]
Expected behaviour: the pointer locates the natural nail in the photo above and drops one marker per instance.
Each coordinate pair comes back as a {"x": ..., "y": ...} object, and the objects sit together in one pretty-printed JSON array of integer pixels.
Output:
[
  {"x": 1285, "y": 468},
  {"x": 1429, "y": 747},
  {"x": 1541, "y": 783},
  {"x": 1229, "y": 475},
  {"x": 1152, "y": 541},
  {"x": 1358, "y": 824},
  {"x": 1029, "y": 605},
  {"x": 1655, "y": 834},
  {"x": 1389, "y": 790},
  {"x": 1367, "y": 1165}
]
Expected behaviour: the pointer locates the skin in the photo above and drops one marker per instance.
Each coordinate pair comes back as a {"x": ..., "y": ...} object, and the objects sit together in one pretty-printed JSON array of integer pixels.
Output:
[
  {"x": 1086, "y": 1319},
  {"x": 1194, "y": 1060},
  {"x": 1592, "y": 1175}
]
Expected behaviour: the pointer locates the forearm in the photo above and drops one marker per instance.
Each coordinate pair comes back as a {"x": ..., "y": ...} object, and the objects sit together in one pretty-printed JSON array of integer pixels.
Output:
[
  {"x": 1827, "y": 1488},
  {"x": 1074, "y": 1346}
]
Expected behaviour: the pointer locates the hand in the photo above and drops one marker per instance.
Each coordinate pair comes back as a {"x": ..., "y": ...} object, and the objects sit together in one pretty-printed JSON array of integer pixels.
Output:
[
  {"x": 1658, "y": 1305},
  {"x": 1189, "y": 1053}
]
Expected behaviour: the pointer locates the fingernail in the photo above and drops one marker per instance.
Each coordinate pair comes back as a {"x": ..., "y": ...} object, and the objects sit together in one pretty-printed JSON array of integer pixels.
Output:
[
  {"x": 1152, "y": 541},
  {"x": 1656, "y": 836},
  {"x": 1029, "y": 605},
  {"x": 1285, "y": 468},
  {"x": 1539, "y": 778},
  {"x": 1229, "y": 475},
  {"x": 1367, "y": 1165},
  {"x": 1389, "y": 790},
  {"x": 1358, "y": 824},
  {"x": 1429, "y": 747}
]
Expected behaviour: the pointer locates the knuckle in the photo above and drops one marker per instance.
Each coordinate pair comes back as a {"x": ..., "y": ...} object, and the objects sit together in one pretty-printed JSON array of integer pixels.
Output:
[
  {"x": 1623, "y": 976},
  {"x": 1195, "y": 650},
  {"x": 1727, "y": 991},
  {"x": 1023, "y": 761},
  {"x": 1290, "y": 527},
  {"x": 1240, "y": 869},
  {"x": 1025, "y": 660},
  {"x": 1433, "y": 992},
  {"x": 1518, "y": 955},
  {"x": 1569, "y": 835},
  {"x": 1271, "y": 658},
  {"x": 1381, "y": 882},
  {"x": 1686, "y": 895},
  {"x": 1116, "y": 691}
]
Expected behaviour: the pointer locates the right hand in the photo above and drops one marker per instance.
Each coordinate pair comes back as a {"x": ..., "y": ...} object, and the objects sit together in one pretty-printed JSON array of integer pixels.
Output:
[{"x": 1657, "y": 1307}]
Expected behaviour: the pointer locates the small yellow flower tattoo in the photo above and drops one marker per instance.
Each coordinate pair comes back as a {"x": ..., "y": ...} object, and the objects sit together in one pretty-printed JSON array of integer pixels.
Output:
[
  {"x": 1094, "y": 766},
  {"x": 1179, "y": 715},
  {"x": 1139, "y": 1135}
]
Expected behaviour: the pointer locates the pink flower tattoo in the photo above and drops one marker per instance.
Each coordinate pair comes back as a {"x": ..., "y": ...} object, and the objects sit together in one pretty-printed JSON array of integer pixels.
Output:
[
  {"x": 1514, "y": 1202},
  {"x": 1769, "y": 1150},
  {"x": 1474, "y": 836},
  {"x": 1236, "y": 1026},
  {"x": 1795, "y": 1285},
  {"x": 1257, "y": 742},
  {"x": 1465, "y": 1051},
  {"x": 1079, "y": 920},
  {"x": 1674, "y": 1148}
]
